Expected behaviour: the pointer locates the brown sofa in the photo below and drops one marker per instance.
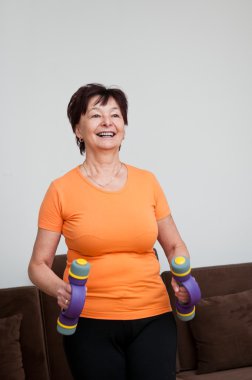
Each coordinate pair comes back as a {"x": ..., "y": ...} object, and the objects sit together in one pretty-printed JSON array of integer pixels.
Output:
[
  {"x": 31, "y": 348},
  {"x": 217, "y": 343}
]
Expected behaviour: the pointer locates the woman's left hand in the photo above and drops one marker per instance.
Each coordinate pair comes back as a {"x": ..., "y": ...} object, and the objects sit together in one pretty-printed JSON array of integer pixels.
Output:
[{"x": 180, "y": 292}]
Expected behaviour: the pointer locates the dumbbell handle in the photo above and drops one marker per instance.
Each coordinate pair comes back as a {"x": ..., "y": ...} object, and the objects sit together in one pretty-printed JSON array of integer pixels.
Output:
[
  {"x": 78, "y": 295},
  {"x": 78, "y": 275},
  {"x": 181, "y": 272},
  {"x": 192, "y": 288}
]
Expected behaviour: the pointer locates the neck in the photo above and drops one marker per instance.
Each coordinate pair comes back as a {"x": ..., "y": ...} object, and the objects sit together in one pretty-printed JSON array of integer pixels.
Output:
[
  {"x": 103, "y": 171},
  {"x": 104, "y": 163}
]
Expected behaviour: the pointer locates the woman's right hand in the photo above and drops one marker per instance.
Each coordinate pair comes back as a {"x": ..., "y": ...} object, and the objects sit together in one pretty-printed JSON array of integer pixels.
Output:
[{"x": 64, "y": 296}]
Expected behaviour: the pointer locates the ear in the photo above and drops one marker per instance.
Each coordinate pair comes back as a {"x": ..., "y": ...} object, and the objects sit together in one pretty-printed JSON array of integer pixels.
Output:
[
  {"x": 77, "y": 131},
  {"x": 124, "y": 134}
]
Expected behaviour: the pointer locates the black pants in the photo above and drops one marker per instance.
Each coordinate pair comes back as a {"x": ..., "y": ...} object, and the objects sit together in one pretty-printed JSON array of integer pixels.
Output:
[{"x": 142, "y": 349}]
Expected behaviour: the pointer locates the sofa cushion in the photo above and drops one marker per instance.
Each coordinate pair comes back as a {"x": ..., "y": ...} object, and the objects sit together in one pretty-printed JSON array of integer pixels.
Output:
[
  {"x": 222, "y": 329},
  {"x": 232, "y": 374},
  {"x": 11, "y": 365},
  {"x": 25, "y": 300},
  {"x": 213, "y": 281}
]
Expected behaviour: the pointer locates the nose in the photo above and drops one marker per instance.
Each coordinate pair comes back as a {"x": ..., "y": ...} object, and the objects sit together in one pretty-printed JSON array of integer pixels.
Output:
[{"x": 106, "y": 121}]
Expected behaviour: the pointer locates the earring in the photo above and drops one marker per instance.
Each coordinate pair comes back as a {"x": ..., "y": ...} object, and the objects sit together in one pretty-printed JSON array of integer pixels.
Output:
[{"x": 80, "y": 140}]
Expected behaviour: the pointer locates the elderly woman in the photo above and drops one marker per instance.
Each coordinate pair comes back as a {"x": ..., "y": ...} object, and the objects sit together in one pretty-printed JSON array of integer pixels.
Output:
[{"x": 111, "y": 214}]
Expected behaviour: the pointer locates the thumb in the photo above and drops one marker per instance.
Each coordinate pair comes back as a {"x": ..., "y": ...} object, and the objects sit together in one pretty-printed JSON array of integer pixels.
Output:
[{"x": 174, "y": 285}]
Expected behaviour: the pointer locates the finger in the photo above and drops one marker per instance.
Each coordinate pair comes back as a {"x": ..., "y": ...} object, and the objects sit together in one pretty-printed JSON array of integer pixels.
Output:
[
  {"x": 183, "y": 295},
  {"x": 68, "y": 289},
  {"x": 175, "y": 285},
  {"x": 63, "y": 298},
  {"x": 64, "y": 303},
  {"x": 65, "y": 292},
  {"x": 183, "y": 291}
]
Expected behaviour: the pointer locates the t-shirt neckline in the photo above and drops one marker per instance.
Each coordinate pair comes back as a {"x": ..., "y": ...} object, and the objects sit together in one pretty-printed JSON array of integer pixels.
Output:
[{"x": 78, "y": 169}]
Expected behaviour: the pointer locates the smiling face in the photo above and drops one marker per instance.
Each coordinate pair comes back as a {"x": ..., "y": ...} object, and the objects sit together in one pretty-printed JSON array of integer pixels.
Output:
[{"x": 102, "y": 126}]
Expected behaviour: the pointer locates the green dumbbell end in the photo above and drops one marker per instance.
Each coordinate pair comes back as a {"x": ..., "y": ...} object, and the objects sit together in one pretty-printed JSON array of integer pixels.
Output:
[
  {"x": 80, "y": 268},
  {"x": 64, "y": 329},
  {"x": 186, "y": 317},
  {"x": 181, "y": 265}
]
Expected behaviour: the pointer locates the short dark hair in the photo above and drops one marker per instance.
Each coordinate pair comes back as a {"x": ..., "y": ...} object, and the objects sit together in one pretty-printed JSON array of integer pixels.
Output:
[{"x": 79, "y": 102}]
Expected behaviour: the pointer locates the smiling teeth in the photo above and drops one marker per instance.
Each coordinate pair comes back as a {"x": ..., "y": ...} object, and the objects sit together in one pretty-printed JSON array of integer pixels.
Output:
[{"x": 106, "y": 134}]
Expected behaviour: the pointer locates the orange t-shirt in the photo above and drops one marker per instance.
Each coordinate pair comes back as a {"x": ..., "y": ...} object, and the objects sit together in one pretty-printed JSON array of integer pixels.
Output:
[{"x": 115, "y": 232}]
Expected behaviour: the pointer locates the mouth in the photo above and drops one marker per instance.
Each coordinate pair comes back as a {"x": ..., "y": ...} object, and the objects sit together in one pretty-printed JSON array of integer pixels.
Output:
[{"x": 106, "y": 134}]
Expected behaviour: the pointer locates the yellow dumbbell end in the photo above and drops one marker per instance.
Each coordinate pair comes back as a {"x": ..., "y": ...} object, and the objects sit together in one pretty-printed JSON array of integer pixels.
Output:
[
  {"x": 81, "y": 261},
  {"x": 179, "y": 260}
]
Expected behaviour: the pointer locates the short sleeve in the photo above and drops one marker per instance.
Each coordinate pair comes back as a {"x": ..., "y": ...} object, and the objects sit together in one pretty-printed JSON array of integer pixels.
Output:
[
  {"x": 50, "y": 216},
  {"x": 162, "y": 208}
]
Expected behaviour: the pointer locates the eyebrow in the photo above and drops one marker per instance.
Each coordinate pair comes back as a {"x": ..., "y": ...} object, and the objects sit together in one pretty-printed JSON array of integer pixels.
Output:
[{"x": 98, "y": 109}]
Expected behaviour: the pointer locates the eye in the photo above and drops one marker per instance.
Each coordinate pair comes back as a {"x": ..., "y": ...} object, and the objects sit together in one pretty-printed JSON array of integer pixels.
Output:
[
  {"x": 96, "y": 115},
  {"x": 115, "y": 115}
]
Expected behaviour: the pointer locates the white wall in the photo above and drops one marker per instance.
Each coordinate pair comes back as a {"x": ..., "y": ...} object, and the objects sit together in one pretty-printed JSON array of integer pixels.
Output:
[{"x": 186, "y": 67}]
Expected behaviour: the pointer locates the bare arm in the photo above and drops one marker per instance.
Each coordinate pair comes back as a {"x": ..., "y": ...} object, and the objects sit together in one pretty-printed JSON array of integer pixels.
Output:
[
  {"x": 170, "y": 239},
  {"x": 173, "y": 245},
  {"x": 40, "y": 271}
]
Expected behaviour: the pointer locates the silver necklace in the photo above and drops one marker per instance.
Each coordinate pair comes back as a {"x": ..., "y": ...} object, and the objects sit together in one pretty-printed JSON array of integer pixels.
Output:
[{"x": 100, "y": 184}]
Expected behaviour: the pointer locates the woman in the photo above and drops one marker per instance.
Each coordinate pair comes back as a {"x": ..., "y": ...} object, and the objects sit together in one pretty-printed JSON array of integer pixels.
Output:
[{"x": 111, "y": 214}]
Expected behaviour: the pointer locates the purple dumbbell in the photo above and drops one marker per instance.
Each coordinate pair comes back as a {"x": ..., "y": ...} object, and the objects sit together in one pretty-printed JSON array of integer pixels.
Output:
[
  {"x": 181, "y": 271},
  {"x": 78, "y": 275}
]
